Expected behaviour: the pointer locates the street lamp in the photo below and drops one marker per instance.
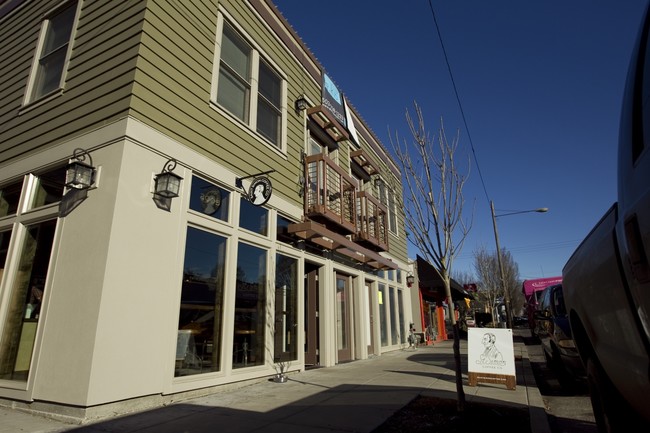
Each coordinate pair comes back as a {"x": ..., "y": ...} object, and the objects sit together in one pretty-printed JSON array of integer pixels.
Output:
[{"x": 506, "y": 293}]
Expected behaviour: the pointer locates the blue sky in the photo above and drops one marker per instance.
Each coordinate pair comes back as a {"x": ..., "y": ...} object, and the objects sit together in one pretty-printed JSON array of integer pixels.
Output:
[{"x": 540, "y": 85}]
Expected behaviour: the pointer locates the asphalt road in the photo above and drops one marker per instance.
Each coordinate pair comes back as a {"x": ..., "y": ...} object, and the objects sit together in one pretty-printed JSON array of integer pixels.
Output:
[{"x": 567, "y": 402}]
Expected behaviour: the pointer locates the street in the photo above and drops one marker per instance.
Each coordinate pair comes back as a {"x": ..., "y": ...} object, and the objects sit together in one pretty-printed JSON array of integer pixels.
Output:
[{"x": 567, "y": 403}]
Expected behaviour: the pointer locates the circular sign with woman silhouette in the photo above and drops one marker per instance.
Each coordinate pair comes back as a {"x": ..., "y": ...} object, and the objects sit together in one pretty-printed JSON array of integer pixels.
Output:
[{"x": 260, "y": 191}]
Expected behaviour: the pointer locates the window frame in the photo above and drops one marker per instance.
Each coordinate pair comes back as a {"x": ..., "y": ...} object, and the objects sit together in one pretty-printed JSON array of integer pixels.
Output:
[
  {"x": 29, "y": 214},
  {"x": 255, "y": 99},
  {"x": 387, "y": 197},
  {"x": 38, "y": 70}
]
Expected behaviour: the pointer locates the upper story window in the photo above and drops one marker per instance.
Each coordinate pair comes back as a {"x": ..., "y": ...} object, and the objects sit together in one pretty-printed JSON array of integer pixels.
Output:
[
  {"x": 248, "y": 87},
  {"x": 53, "y": 51},
  {"x": 387, "y": 198}
]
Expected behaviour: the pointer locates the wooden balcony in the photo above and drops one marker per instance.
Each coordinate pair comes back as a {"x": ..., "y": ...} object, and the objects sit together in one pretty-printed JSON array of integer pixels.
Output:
[
  {"x": 372, "y": 222},
  {"x": 330, "y": 194}
]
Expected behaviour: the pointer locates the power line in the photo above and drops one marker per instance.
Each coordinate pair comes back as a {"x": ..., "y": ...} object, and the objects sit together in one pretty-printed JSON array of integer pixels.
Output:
[{"x": 462, "y": 112}]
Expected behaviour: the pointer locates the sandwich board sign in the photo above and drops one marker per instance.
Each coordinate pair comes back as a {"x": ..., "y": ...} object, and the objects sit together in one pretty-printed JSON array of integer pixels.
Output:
[{"x": 490, "y": 356}]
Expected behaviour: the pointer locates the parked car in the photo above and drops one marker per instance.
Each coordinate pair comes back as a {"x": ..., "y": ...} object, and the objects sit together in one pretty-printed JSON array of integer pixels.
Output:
[
  {"x": 554, "y": 332},
  {"x": 520, "y": 321},
  {"x": 470, "y": 321}
]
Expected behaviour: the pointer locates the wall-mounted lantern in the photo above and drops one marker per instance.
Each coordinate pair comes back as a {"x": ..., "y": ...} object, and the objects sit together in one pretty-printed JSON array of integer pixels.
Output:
[
  {"x": 80, "y": 174},
  {"x": 167, "y": 183},
  {"x": 301, "y": 104},
  {"x": 410, "y": 279}
]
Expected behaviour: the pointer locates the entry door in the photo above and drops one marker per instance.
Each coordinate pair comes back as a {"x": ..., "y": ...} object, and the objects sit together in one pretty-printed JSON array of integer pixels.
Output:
[
  {"x": 343, "y": 319},
  {"x": 371, "y": 322},
  {"x": 311, "y": 317}
]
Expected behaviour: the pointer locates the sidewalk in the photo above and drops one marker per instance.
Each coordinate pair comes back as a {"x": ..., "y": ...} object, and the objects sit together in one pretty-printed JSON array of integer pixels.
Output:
[{"x": 353, "y": 397}]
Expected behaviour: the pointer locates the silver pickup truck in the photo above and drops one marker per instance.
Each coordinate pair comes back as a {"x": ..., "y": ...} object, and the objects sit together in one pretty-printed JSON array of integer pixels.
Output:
[{"x": 607, "y": 279}]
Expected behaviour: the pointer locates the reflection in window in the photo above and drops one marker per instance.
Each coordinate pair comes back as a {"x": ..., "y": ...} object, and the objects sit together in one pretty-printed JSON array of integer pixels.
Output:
[
  {"x": 53, "y": 53},
  {"x": 209, "y": 199},
  {"x": 48, "y": 188},
  {"x": 5, "y": 238},
  {"x": 253, "y": 218},
  {"x": 200, "y": 319},
  {"x": 394, "y": 332},
  {"x": 24, "y": 306},
  {"x": 286, "y": 309},
  {"x": 250, "y": 307},
  {"x": 400, "y": 312},
  {"x": 282, "y": 233},
  {"x": 383, "y": 326},
  {"x": 245, "y": 83},
  {"x": 9, "y": 197}
]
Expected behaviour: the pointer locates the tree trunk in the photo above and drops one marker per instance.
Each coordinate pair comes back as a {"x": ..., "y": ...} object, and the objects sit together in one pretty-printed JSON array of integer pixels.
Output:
[{"x": 460, "y": 404}]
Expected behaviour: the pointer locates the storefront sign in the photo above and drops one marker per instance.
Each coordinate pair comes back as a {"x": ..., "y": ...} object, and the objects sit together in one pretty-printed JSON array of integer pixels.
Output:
[
  {"x": 260, "y": 191},
  {"x": 210, "y": 200},
  {"x": 490, "y": 350}
]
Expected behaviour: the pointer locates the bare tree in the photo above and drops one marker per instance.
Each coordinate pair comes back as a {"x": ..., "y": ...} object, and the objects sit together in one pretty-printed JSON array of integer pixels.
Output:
[
  {"x": 486, "y": 266},
  {"x": 433, "y": 206}
]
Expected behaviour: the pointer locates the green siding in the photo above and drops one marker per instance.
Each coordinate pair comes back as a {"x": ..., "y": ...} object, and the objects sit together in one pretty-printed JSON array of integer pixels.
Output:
[
  {"x": 153, "y": 60},
  {"x": 98, "y": 80}
]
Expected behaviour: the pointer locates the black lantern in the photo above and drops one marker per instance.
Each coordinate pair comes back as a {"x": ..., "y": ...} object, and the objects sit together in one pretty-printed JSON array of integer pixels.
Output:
[
  {"x": 79, "y": 174},
  {"x": 301, "y": 104},
  {"x": 410, "y": 279},
  {"x": 167, "y": 183}
]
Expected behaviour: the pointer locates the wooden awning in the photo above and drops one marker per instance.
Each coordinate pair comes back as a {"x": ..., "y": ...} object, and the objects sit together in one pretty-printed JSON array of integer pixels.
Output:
[
  {"x": 365, "y": 162},
  {"x": 326, "y": 120},
  {"x": 320, "y": 235}
]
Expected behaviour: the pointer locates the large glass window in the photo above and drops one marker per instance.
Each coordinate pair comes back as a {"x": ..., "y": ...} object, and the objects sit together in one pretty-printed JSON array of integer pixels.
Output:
[
  {"x": 53, "y": 52},
  {"x": 394, "y": 331},
  {"x": 383, "y": 324},
  {"x": 243, "y": 87},
  {"x": 47, "y": 188},
  {"x": 282, "y": 229},
  {"x": 400, "y": 313},
  {"x": 200, "y": 320},
  {"x": 31, "y": 239},
  {"x": 285, "y": 337},
  {"x": 253, "y": 218},
  {"x": 24, "y": 304},
  {"x": 250, "y": 307},
  {"x": 9, "y": 197},
  {"x": 209, "y": 199}
]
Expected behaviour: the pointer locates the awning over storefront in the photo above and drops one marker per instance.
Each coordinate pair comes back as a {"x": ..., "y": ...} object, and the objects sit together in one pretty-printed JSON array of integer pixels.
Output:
[{"x": 432, "y": 287}]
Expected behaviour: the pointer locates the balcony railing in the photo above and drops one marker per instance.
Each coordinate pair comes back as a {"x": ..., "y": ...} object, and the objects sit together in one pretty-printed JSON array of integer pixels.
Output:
[
  {"x": 330, "y": 193},
  {"x": 372, "y": 218}
]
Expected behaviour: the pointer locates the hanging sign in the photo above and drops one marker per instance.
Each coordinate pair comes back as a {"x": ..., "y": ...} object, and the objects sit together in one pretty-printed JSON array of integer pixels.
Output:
[{"x": 260, "y": 191}]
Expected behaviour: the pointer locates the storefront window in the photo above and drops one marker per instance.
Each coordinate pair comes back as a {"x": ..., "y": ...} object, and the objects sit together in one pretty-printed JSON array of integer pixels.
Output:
[
  {"x": 253, "y": 218},
  {"x": 209, "y": 199},
  {"x": 9, "y": 197},
  {"x": 282, "y": 233},
  {"x": 394, "y": 332},
  {"x": 383, "y": 326},
  {"x": 250, "y": 307},
  {"x": 200, "y": 321},
  {"x": 24, "y": 304},
  {"x": 285, "y": 337},
  {"x": 5, "y": 237},
  {"x": 400, "y": 313},
  {"x": 48, "y": 188}
]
